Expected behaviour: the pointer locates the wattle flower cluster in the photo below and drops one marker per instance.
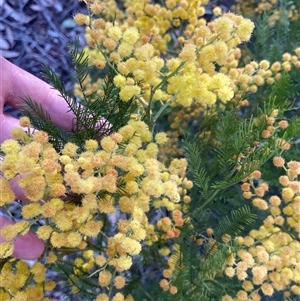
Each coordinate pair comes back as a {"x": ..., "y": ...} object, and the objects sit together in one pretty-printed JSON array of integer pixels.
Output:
[
  {"x": 79, "y": 194},
  {"x": 269, "y": 258},
  {"x": 249, "y": 79},
  {"x": 202, "y": 67},
  {"x": 15, "y": 280},
  {"x": 135, "y": 47}
]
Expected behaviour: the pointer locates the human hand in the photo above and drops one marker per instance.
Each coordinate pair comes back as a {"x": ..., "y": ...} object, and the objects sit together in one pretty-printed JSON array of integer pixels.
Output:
[{"x": 16, "y": 84}]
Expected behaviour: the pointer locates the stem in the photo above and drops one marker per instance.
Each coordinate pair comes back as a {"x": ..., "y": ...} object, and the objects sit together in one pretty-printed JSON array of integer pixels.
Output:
[
  {"x": 150, "y": 122},
  {"x": 9, "y": 213},
  {"x": 142, "y": 102},
  {"x": 111, "y": 286},
  {"x": 107, "y": 60},
  {"x": 146, "y": 293},
  {"x": 205, "y": 203},
  {"x": 154, "y": 119}
]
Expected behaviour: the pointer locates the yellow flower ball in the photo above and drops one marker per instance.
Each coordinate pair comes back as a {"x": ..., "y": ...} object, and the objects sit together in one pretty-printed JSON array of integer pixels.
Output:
[
  {"x": 74, "y": 239},
  {"x": 287, "y": 194},
  {"x": 131, "y": 35}
]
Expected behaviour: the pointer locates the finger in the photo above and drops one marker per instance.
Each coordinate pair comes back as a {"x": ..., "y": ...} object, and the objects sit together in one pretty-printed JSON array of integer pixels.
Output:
[
  {"x": 26, "y": 247},
  {"x": 16, "y": 84},
  {"x": 18, "y": 191}
]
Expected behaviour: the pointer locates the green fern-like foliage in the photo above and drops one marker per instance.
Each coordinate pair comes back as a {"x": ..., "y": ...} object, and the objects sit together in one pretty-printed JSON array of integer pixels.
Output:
[
  {"x": 198, "y": 266},
  {"x": 95, "y": 116},
  {"x": 236, "y": 147},
  {"x": 234, "y": 225},
  {"x": 270, "y": 40},
  {"x": 234, "y": 137}
]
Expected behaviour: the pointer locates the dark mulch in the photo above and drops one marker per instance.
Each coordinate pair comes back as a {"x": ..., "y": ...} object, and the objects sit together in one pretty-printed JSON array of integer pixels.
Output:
[{"x": 33, "y": 32}]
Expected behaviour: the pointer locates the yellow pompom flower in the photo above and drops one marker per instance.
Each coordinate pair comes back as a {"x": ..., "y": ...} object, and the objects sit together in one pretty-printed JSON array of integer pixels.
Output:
[
  {"x": 102, "y": 297},
  {"x": 19, "y": 134},
  {"x": 119, "y": 282},
  {"x": 91, "y": 145},
  {"x": 161, "y": 138},
  {"x": 104, "y": 278},
  {"x": 6, "y": 249},
  {"x": 52, "y": 258},
  {"x": 24, "y": 121},
  {"x": 118, "y": 297},
  {"x": 287, "y": 194},
  {"x": 245, "y": 29},
  {"x": 58, "y": 240},
  {"x": 259, "y": 272},
  {"x": 225, "y": 94},
  {"x": 74, "y": 239},
  {"x": 44, "y": 232},
  {"x": 227, "y": 298},
  {"x": 242, "y": 295},
  {"x": 264, "y": 64},
  {"x": 120, "y": 81},
  {"x": 41, "y": 137},
  {"x": 152, "y": 150},
  {"x": 117, "y": 137},
  {"x": 91, "y": 228},
  {"x": 48, "y": 210},
  {"x": 10, "y": 146},
  {"x": 223, "y": 24},
  {"x": 296, "y": 289},
  {"x": 144, "y": 52},
  {"x": 6, "y": 194},
  {"x": 173, "y": 64},
  {"x": 229, "y": 272},
  {"x": 188, "y": 53},
  {"x": 124, "y": 50},
  {"x": 131, "y": 246},
  {"x": 80, "y": 19},
  {"x": 108, "y": 144},
  {"x": 131, "y": 35},
  {"x": 221, "y": 52},
  {"x": 20, "y": 296},
  {"x": 69, "y": 149},
  {"x": 8, "y": 232},
  {"x": 32, "y": 149},
  {"x": 57, "y": 190},
  {"x": 288, "y": 210},
  {"x": 25, "y": 164},
  {"x": 128, "y": 92},
  {"x": 267, "y": 289},
  {"x": 126, "y": 204},
  {"x": 38, "y": 268},
  {"x": 127, "y": 131},
  {"x": 50, "y": 285},
  {"x": 123, "y": 263},
  {"x": 115, "y": 33},
  {"x": 100, "y": 260},
  {"x": 34, "y": 186},
  {"x": 22, "y": 227},
  {"x": 63, "y": 221},
  {"x": 217, "y": 11}
]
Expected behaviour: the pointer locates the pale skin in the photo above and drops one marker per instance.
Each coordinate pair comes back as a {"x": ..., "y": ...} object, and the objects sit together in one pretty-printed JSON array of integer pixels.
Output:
[{"x": 16, "y": 84}]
